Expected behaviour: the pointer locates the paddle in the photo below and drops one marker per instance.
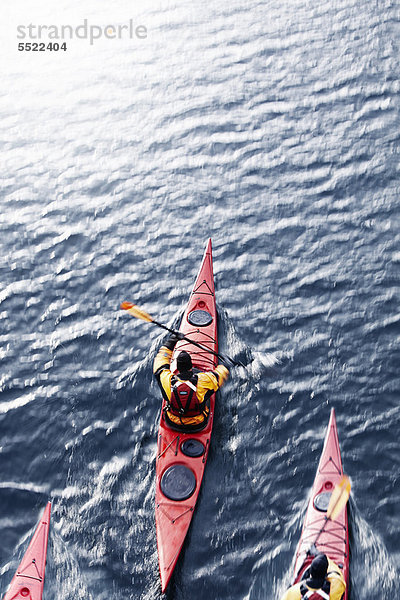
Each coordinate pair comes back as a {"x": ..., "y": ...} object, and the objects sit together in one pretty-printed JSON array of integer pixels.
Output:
[
  {"x": 139, "y": 313},
  {"x": 337, "y": 502}
]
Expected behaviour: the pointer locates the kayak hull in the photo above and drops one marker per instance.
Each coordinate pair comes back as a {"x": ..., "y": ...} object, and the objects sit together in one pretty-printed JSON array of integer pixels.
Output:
[
  {"x": 28, "y": 581},
  {"x": 334, "y": 540},
  {"x": 173, "y": 516}
]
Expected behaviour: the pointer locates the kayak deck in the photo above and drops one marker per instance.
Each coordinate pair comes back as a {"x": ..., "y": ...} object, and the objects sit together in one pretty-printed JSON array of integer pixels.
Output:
[
  {"x": 28, "y": 581},
  {"x": 182, "y": 456},
  {"x": 334, "y": 541}
]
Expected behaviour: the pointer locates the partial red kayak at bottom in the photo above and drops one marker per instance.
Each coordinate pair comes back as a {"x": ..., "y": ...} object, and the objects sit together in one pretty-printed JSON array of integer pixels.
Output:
[
  {"x": 334, "y": 541},
  {"x": 28, "y": 581}
]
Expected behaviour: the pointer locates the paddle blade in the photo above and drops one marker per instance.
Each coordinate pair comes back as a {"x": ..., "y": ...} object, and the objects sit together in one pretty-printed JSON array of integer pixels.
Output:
[
  {"x": 135, "y": 311},
  {"x": 339, "y": 498}
]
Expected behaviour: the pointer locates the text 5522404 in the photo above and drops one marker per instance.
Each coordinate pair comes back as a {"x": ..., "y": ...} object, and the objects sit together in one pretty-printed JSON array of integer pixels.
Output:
[{"x": 41, "y": 46}]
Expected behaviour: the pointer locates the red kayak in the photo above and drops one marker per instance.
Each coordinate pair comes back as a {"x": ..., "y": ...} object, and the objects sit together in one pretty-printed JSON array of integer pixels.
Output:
[
  {"x": 182, "y": 457},
  {"x": 334, "y": 540},
  {"x": 28, "y": 581}
]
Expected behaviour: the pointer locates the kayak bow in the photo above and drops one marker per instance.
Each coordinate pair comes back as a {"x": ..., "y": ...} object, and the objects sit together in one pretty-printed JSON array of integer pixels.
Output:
[
  {"x": 320, "y": 534},
  {"x": 28, "y": 581},
  {"x": 182, "y": 456}
]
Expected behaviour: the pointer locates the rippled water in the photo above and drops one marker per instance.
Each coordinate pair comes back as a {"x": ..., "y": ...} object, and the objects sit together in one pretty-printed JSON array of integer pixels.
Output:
[{"x": 273, "y": 128}]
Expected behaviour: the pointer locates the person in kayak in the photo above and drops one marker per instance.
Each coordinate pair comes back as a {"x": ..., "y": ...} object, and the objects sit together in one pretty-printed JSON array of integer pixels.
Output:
[
  {"x": 186, "y": 393},
  {"x": 323, "y": 581}
]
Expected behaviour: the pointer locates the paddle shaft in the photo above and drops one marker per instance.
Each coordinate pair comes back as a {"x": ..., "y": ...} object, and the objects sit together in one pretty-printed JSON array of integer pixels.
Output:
[{"x": 221, "y": 356}]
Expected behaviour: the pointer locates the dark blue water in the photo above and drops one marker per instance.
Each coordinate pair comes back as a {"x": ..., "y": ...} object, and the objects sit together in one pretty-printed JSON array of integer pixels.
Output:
[{"x": 273, "y": 128}]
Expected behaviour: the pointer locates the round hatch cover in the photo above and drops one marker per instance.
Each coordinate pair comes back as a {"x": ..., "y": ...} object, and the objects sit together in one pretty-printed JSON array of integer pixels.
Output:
[
  {"x": 178, "y": 483},
  {"x": 200, "y": 318},
  {"x": 321, "y": 501},
  {"x": 192, "y": 447}
]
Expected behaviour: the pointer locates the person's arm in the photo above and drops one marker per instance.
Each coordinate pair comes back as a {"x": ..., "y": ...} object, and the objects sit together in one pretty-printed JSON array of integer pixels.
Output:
[
  {"x": 161, "y": 366},
  {"x": 164, "y": 355},
  {"x": 293, "y": 593},
  {"x": 335, "y": 577},
  {"x": 221, "y": 373},
  {"x": 211, "y": 381}
]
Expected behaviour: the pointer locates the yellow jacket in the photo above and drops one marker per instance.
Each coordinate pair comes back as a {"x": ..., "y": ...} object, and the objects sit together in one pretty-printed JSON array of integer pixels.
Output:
[
  {"x": 335, "y": 578},
  {"x": 207, "y": 383}
]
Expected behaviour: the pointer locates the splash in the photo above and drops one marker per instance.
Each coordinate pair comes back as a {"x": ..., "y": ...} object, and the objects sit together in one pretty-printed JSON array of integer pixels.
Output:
[
  {"x": 264, "y": 363},
  {"x": 372, "y": 573},
  {"x": 64, "y": 578}
]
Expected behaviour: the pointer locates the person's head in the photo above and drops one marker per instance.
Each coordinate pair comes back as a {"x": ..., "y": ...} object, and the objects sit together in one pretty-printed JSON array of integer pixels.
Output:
[
  {"x": 319, "y": 567},
  {"x": 184, "y": 362}
]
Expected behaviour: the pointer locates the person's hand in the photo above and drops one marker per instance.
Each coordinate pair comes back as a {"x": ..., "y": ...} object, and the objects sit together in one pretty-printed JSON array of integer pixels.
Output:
[
  {"x": 174, "y": 338},
  {"x": 222, "y": 361}
]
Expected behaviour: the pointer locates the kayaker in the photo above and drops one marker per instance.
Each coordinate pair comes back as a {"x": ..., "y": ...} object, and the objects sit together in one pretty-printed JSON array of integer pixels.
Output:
[
  {"x": 324, "y": 581},
  {"x": 187, "y": 392}
]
